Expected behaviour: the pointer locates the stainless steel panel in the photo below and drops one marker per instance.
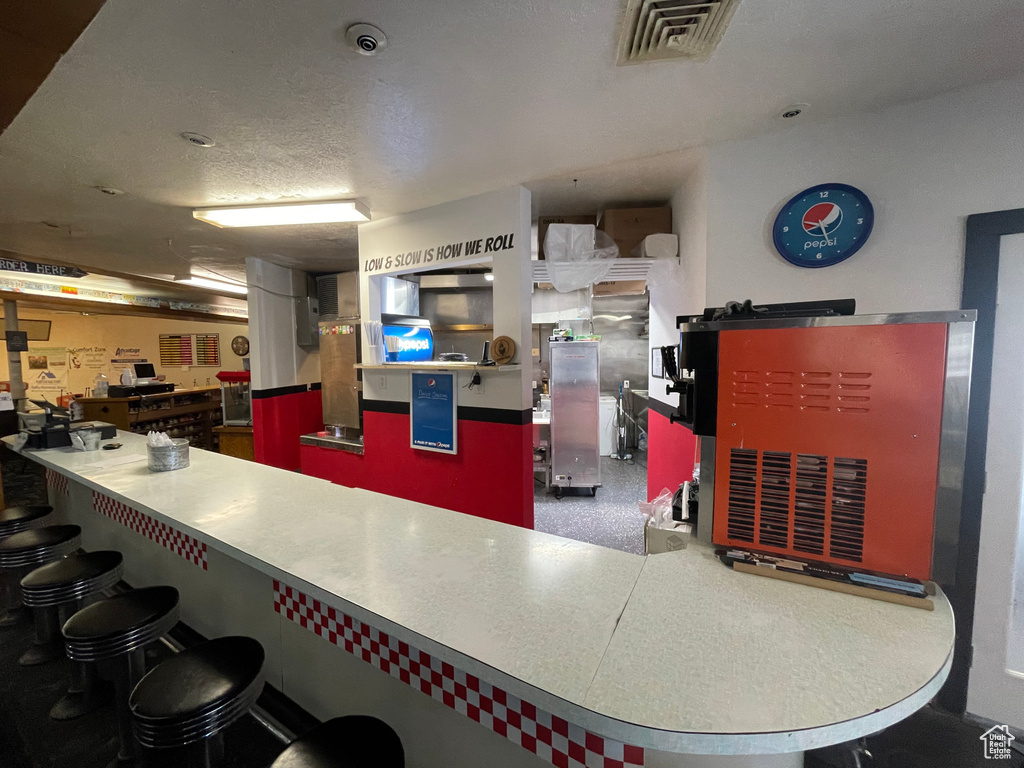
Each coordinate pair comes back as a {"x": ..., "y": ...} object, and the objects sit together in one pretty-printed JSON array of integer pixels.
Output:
[
  {"x": 952, "y": 316},
  {"x": 621, "y": 321},
  {"x": 706, "y": 494},
  {"x": 430, "y": 282},
  {"x": 339, "y": 378},
  {"x": 575, "y": 438},
  {"x": 399, "y": 296},
  {"x": 952, "y": 451},
  {"x": 443, "y": 308}
]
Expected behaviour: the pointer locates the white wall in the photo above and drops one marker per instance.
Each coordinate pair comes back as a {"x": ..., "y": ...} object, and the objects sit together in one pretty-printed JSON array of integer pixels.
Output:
[
  {"x": 92, "y": 342},
  {"x": 925, "y": 166},
  {"x": 275, "y": 358},
  {"x": 680, "y": 288}
]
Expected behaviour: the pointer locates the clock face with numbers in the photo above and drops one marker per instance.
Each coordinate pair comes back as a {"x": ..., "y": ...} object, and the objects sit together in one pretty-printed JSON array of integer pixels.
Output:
[
  {"x": 823, "y": 225},
  {"x": 240, "y": 346}
]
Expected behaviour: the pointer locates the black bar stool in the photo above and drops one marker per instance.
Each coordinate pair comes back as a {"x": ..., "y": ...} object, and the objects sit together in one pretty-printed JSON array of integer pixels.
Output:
[
  {"x": 60, "y": 588},
  {"x": 188, "y": 700},
  {"x": 118, "y": 629},
  {"x": 26, "y": 551},
  {"x": 355, "y": 741},
  {"x": 15, "y": 520}
]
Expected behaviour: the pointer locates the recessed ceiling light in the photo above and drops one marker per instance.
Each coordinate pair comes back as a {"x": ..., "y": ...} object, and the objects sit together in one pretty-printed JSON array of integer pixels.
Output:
[
  {"x": 113, "y": 191},
  {"x": 489, "y": 277},
  {"x": 198, "y": 139},
  {"x": 209, "y": 282},
  {"x": 317, "y": 212}
]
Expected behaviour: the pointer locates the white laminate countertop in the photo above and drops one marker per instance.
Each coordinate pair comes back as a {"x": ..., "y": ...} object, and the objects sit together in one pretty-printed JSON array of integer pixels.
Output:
[{"x": 673, "y": 651}]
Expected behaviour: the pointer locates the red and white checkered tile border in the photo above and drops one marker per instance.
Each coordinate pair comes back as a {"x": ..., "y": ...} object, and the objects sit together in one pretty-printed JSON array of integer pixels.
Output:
[
  {"x": 57, "y": 481},
  {"x": 551, "y": 738},
  {"x": 170, "y": 538}
]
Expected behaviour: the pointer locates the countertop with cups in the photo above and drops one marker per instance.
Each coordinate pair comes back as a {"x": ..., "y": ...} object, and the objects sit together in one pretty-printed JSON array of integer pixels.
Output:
[{"x": 672, "y": 652}]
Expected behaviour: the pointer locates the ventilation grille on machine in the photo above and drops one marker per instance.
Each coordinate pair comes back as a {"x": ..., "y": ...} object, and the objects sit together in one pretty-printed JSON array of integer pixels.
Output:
[
  {"x": 327, "y": 295},
  {"x": 790, "y": 505},
  {"x": 654, "y": 30}
]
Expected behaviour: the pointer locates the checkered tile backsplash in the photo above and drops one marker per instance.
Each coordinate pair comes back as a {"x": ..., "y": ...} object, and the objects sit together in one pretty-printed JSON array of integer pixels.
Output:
[
  {"x": 551, "y": 738},
  {"x": 57, "y": 481},
  {"x": 170, "y": 538}
]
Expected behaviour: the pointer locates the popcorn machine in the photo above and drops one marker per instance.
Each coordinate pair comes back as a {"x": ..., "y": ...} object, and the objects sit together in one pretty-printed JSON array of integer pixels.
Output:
[{"x": 236, "y": 398}]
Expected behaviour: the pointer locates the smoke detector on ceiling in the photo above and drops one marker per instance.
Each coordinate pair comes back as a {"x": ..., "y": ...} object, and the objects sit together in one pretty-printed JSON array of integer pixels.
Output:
[
  {"x": 366, "y": 39},
  {"x": 672, "y": 29},
  {"x": 112, "y": 191},
  {"x": 794, "y": 110},
  {"x": 198, "y": 139}
]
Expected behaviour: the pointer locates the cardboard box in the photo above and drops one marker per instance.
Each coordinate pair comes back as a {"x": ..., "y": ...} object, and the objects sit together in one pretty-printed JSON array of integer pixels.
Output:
[
  {"x": 544, "y": 221},
  {"x": 659, "y": 540},
  {"x": 629, "y": 226},
  {"x": 620, "y": 288}
]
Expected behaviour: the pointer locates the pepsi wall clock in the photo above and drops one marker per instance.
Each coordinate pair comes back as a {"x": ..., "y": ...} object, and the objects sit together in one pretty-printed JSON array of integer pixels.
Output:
[{"x": 823, "y": 225}]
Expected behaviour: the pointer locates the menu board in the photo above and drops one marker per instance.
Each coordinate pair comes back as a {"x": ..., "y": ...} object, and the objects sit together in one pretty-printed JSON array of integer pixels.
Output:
[
  {"x": 176, "y": 349},
  {"x": 208, "y": 349},
  {"x": 184, "y": 349}
]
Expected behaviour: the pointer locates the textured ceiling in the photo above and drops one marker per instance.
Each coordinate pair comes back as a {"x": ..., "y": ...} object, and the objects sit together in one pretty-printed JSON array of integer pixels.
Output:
[{"x": 468, "y": 97}]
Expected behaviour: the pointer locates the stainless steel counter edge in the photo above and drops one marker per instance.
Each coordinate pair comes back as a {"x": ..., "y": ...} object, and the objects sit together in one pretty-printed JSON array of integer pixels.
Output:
[
  {"x": 331, "y": 443},
  {"x": 683, "y": 742}
]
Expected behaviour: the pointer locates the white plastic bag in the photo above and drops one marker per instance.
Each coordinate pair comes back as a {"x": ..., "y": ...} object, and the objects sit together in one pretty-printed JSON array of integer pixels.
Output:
[
  {"x": 659, "y": 510},
  {"x": 578, "y": 255}
]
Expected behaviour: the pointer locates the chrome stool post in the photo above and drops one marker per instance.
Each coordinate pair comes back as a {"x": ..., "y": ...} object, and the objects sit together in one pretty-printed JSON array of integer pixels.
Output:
[
  {"x": 118, "y": 629},
  {"x": 61, "y": 587}
]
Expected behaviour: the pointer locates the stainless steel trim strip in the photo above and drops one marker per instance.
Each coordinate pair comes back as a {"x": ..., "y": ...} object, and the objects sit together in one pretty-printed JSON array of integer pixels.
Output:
[
  {"x": 706, "y": 491},
  {"x": 904, "y": 318},
  {"x": 952, "y": 451}
]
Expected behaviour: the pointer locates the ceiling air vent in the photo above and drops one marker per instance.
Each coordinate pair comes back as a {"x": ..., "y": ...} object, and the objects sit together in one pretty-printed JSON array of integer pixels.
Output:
[{"x": 656, "y": 30}]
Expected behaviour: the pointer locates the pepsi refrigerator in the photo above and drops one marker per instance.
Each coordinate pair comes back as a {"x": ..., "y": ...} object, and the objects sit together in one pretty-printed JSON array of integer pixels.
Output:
[{"x": 574, "y": 383}]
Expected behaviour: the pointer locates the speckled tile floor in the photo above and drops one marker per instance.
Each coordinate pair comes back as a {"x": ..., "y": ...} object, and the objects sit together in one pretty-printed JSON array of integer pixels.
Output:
[{"x": 611, "y": 519}]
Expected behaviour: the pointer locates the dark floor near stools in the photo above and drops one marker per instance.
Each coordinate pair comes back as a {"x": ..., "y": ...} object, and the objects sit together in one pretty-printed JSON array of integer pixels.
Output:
[
  {"x": 24, "y": 479},
  {"x": 29, "y": 739}
]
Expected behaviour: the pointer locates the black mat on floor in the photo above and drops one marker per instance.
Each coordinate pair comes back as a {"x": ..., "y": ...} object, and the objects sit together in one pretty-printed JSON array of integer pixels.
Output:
[{"x": 29, "y": 739}]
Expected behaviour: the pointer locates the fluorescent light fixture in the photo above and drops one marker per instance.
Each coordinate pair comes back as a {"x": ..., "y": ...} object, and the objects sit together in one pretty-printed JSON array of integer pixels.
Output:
[
  {"x": 316, "y": 212},
  {"x": 209, "y": 282},
  {"x": 489, "y": 277}
]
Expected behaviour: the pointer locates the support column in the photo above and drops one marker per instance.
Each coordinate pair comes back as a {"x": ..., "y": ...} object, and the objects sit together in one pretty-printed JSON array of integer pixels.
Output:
[{"x": 14, "y": 358}]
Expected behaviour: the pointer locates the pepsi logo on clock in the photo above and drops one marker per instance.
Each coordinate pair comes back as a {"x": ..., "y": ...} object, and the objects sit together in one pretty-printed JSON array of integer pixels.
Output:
[{"x": 823, "y": 225}]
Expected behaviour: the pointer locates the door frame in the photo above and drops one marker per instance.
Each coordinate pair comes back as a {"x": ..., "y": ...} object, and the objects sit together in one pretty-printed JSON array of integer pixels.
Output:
[{"x": 980, "y": 283}]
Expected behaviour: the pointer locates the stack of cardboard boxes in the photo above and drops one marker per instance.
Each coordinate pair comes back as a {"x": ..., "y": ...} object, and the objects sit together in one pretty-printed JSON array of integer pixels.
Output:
[{"x": 627, "y": 227}]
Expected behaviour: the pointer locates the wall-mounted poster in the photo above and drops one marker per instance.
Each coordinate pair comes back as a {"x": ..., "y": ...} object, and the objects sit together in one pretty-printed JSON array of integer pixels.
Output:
[
  {"x": 433, "y": 412},
  {"x": 47, "y": 372}
]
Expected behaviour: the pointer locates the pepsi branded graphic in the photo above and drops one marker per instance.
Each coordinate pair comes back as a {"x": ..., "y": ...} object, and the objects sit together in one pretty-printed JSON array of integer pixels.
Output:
[
  {"x": 415, "y": 343},
  {"x": 823, "y": 225},
  {"x": 433, "y": 412}
]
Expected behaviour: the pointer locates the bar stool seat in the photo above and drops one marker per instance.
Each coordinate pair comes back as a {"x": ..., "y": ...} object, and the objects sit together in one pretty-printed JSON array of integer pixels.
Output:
[
  {"x": 15, "y": 520},
  {"x": 62, "y": 586},
  {"x": 355, "y": 741},
  {"x": 24, "y": 551},
  {"x": 119, "y": 628},
  {"x": 73, "y": 578},
  {"x": 195, "y": 695},
  {"x": 39, "y": 546}
]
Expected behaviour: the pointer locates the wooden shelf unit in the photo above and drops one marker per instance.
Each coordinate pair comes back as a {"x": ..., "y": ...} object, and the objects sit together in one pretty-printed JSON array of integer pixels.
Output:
[{"x": 194, "y": 411}]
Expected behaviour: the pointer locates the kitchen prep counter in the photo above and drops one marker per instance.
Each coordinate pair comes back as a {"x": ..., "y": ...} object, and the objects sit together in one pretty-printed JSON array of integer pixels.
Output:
[{"x": 673, "y": 652}]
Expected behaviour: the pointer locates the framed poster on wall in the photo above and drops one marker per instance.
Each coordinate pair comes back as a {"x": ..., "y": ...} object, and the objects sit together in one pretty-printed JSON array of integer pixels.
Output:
[{"x": 433, "y": 413}]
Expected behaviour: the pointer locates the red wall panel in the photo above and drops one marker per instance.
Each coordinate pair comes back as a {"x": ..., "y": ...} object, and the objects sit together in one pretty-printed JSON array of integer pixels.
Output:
[
  {"x": 490, "y": 477},
  {"x": 277, "y": 423},
  {"x": 670, "y": 454}
]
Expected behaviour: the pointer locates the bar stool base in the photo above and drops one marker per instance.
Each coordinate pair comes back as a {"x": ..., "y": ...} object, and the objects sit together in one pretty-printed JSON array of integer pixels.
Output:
[
  {"x": 13, "y": 617},
  {"x": 76, "y": 704},
  {"x": 41, "y": 654}
]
